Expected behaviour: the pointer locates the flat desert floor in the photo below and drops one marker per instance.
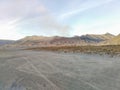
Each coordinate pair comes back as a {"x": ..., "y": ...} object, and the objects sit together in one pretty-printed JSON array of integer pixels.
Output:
[{"x": 40, "y": 70}]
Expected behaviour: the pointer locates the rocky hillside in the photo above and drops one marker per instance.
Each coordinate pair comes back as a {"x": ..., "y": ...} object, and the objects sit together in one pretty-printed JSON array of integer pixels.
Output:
[
  {"x": 89, "y": 39},
  {"x": 97, "y": 38},
  {"x": 114, "y": 41}
]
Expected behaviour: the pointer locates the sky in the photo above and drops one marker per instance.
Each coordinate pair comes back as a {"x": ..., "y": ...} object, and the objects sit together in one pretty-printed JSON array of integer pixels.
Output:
[{"x": 20, "y": 18}]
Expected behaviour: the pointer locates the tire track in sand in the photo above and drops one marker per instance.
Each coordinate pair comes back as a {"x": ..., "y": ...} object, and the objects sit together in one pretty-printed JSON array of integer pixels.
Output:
[{"x": 43, "y": 76}]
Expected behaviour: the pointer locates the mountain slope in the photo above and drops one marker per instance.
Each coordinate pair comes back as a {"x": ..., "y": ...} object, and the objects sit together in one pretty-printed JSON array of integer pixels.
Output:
[
  {"x": 114, "y": 41},
  {"x": 34, "y": 41},
  {"x": 89, "y": 39},
  {"x": 97, "y": 38}
]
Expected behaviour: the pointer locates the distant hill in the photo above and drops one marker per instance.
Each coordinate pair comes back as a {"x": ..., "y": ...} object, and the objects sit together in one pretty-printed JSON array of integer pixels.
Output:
[
  {"x": 97, "y": 38},
  {"x": 114, "y": 41},
  {"x": 50, "y": 41},
  {"x": 3, "y": 42},
  {"x": 89, "y": 39},
  {"x": 33, "y": 41}
]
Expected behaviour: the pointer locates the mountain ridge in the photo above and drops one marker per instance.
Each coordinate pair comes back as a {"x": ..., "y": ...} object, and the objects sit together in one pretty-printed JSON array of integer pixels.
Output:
[
  {"x": 88, "y": 39},
  {"x": 4, "y": 42},
  {"x": 114, "y": 41}
]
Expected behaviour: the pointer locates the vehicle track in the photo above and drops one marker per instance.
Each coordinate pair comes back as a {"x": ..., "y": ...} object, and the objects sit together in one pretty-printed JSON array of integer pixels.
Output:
[{"x": 51, "y": 83}]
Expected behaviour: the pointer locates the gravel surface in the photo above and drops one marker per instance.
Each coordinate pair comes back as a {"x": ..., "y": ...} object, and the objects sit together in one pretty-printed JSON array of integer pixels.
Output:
[{"x": 42, "y": 70}]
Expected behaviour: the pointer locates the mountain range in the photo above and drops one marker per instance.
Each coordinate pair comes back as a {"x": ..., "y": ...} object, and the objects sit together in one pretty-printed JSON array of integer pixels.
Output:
[
  {"x": 88, "y": 39},
  {"x": 114, "y": 41},
  {"x": 3, "y": 42}
]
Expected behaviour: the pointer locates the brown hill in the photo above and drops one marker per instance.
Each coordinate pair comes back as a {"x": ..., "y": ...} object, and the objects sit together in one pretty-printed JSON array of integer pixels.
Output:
[
  {"x": 89, "y": 39},
  {"x": 48, "y": 41},
  {"x": 114, "y": 41},
  {"x": 97, "y": 38}
]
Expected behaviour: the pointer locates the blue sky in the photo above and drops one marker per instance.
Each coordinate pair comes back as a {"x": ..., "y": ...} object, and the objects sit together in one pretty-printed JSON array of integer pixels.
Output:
[{"x": 20, "y": 18}]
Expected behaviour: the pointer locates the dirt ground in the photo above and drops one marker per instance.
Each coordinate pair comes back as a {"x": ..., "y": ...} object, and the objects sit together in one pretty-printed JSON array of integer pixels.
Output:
[{"x": 42, "y": 70}]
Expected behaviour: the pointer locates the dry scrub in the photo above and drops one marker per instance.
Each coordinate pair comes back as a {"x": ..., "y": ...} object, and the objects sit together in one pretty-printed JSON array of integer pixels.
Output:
[{"x": 107, "y": 49}]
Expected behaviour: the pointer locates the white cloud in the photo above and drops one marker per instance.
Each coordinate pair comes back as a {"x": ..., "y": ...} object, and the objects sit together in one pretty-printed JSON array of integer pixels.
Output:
[
  {"x": 9, "y": 29},
  {"x": 83, "y": 7},
  {"x": 20, "y": 8},
  {"x": 36, "y": 18},
  {"x": 25, "y": 9}
]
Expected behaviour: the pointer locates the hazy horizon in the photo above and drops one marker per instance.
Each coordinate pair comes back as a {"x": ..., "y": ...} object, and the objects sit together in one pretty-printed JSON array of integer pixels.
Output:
[
  {"x": 20, "y": 18},
  {"x": 56, "y": 36}
]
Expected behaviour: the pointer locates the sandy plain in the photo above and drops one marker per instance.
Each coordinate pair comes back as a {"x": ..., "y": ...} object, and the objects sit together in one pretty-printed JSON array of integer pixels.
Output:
[{"x": 43, "y": 70}]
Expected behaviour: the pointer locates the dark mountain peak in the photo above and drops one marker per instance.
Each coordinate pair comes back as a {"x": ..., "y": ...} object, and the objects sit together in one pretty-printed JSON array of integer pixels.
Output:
[{"x": 97, "y": 37}]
